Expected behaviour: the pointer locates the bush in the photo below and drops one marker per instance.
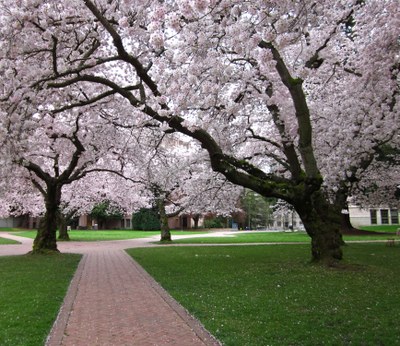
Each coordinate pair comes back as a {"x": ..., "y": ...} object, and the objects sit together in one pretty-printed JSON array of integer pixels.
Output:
[
  {"x": 216, "y": 222},
  {"x": 146, "y": 219}
]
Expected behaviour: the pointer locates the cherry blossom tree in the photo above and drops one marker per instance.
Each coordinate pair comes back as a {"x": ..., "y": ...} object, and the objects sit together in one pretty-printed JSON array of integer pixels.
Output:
[
  {"x": 50, "y": 151},
  {"x": 292, "y": 99},
  {"x": 177, "y": 178}
]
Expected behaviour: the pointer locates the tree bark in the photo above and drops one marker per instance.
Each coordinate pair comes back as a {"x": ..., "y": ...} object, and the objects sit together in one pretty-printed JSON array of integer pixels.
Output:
[
  {"x": 45, "y": 241},
  {"x": 165, "y": 231},
  {"x": 62, "y": 227},
  {"x": 196, "y": 219},
  {"x": 347, "y": 227},
  {"x": 322, "y": 222}
]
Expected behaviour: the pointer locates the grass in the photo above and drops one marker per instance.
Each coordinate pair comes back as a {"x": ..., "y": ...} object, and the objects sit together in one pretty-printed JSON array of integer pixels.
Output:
[
  {"x": 268, "y": 237},
  {"x": 256, "y": 237},
  {"x": 32, "y": 289},
  {"x": 272, "y": 295},
  {"x": 4, "y": 241},
  {"x": 381, "y": 228},
  {"x": 100, "y": 235},
  {"x": 9, "y": 229}
]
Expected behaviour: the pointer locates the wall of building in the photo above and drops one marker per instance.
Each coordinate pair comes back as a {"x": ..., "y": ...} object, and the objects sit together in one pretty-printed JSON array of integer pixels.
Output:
[
  {"x": 24, "y": 221},
  {"x": 9, "y": 222},
  {"x": 373, "y": 216}
]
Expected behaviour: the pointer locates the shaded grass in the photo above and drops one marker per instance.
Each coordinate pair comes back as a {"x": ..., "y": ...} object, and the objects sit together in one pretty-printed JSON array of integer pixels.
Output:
[
  {"x": 100, "y": 235},
  {"x": 4, "y": 241},
  {"x": 9, "y": 229},
  {"x": 271, "y": 295},
  {"x": 32, "y": 289}
]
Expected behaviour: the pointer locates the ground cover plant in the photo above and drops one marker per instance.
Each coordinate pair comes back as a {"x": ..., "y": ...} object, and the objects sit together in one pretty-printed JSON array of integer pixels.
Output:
[
  {"x": 99, "y": 235},
  {"x": 272, "y": 295},
  {"x": 32, "y": 289}
]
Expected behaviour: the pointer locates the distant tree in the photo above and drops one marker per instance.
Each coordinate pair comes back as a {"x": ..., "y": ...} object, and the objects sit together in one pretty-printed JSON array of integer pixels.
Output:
[
  {"x": 215, "y": 221},
  {"x": 257, "y": 209},
  {"x": 146, "y": 219},
  {"x": 105, "y": 211}
]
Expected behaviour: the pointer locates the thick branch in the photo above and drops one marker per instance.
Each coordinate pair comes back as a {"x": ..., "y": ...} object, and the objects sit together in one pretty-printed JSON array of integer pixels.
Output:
[
  {"x": 140, "y": 70},
  {"x": 288, "y": 147},
  {"x": 54, "y": 55},
  {"x": 302, "y": 112},
  {"x": 220, "y": 163},
  {"x": 37, "y": 170},
  {"x": 94, "y": 99}
]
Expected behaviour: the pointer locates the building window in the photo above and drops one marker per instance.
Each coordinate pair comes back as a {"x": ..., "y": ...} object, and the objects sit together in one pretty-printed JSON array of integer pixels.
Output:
[
  {"x": 384, "y": 216},
  {"x": 394, "y": 216},
  {"x": 127, "y": 223},
  {"x": 374, "y": 220}
]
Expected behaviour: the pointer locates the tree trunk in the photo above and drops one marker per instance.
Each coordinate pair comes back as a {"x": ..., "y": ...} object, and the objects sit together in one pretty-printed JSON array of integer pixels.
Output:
[
  {"x": 196, "y": 219},
  {"x": 347, "y": 227},
  {"x": 62, "y": 227},
  {"x": 45, "y": 241},
  {"x": 322, "y": 222},
  {"x": 165, "y": 232}
]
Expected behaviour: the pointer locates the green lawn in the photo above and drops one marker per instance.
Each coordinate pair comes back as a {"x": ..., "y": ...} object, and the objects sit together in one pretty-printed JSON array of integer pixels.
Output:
[
  {"x": 9, "y": 229},
  {"x": 271, "y": 295},
  {"x": 381, "y": 228},
  {"x": 266, "y": 237},
  {"x": 32, "y": 289},
  {"x": 4, "y": 241},
  {"x": 106, "y": 234},
  {"x": 258, "y": 237}
]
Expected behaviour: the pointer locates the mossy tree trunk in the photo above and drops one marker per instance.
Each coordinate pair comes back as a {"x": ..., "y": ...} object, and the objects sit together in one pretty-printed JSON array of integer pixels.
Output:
[
  {"x": 45, "y": 240},
  {"x": 346, "y": 224},
  {"x": 165, "y": 231},
  {"x": 62, "y": 227},
  {"x": 50, "y": 186},
  {"x": 196, "y": 218},
  {"x": 322, "y": 222}
]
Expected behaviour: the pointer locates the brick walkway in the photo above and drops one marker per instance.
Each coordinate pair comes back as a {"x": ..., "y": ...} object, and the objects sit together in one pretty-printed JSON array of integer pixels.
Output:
[{"x": 113, "y": 301}]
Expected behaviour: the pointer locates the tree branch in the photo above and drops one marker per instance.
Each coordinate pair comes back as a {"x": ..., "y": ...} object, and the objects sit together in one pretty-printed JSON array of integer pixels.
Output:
[
  {"x": 294, "y": 85},
  {"x": 140, "y": 70}
]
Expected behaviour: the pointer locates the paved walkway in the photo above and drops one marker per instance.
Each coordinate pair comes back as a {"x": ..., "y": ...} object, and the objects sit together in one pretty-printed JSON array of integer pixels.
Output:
[{"x": 113, "y": 301}]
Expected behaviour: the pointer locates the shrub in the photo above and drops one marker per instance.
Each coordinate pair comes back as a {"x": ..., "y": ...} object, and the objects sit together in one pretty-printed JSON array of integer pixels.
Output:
[{"x": 146, "y": 219}]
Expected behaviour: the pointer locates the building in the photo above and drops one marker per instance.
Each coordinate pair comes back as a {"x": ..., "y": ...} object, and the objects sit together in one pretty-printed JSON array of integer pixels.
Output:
[
  {"x": 175, "y": 222},
  {"x": 373, "y": 216},
  {"x": 87, "y": 222}
]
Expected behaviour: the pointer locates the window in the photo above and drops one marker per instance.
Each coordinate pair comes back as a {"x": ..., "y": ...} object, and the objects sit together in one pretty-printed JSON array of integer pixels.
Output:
[
  {"x": 394, "y": 216},
  {"x": 372, "y": 213},
  {"x": 384, "y": 216}
]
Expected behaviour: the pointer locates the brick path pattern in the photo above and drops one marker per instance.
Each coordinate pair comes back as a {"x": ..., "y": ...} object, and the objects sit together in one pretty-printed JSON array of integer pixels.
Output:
[{"x": 113, "y": 301}]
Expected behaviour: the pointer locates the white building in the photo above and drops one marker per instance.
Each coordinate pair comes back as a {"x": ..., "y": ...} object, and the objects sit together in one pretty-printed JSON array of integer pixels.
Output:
[{"x": 373, "y": 216}]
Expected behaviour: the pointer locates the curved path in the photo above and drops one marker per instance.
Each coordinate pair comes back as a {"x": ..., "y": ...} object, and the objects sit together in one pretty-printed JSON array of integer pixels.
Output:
[{"x": 113, "y": 301}]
